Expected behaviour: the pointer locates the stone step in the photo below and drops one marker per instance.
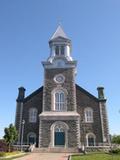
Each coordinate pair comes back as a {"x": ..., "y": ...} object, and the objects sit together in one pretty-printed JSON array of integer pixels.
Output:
[{"x": 55, "y": 150}]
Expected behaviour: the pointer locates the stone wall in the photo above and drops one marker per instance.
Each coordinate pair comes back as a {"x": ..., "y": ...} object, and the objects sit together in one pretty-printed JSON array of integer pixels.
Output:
[
  {"x": 34, "y": 101},
  {"x": 69, "y": 85},
  {"x": 85, "y": 99},
  {"x": 46, "y": 133},
  {"x": 105, "y": 128}
]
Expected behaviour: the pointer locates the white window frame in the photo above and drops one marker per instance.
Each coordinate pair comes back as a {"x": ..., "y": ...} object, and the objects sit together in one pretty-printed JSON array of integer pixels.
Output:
[
  {"x": 32, "y": 115},
  {"x": 57, "y": 76},
  {"x": 62, "y": 105},
  {"x": 94, "y": 138},
  {"x": 60, "y": 50},
  {"x": 88, "y": 115},
  {"x": 59, "y": 100},
  {"x": 65, "y": 128}
]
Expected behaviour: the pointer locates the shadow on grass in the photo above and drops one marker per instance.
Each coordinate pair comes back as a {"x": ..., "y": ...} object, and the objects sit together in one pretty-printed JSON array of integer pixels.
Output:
[{"x": 11, "y": 158}]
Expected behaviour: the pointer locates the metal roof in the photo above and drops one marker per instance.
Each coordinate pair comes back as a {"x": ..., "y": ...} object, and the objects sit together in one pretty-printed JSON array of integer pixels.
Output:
[{"x": 59, "y": 33}]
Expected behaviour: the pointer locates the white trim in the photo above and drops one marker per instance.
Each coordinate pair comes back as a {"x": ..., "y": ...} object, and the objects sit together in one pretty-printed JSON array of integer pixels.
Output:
[
  {"x": 88, "y": 119},
  {"x": 65, "y": 127},
  {"x": 90, "y": 134},
  {"x": 59, "y": 82},
  {"x": 55, "y": 90},
  {"x": 78, "y": 132}
]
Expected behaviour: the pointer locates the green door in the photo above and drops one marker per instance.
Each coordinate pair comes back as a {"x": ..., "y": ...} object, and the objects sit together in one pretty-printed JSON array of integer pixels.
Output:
[
  {"x": 59, "y": 138},
  {"x": 31, "y": 140}
]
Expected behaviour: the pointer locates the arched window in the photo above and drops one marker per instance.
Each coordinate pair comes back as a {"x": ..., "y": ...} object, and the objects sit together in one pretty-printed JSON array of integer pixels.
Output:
[
  {"x": 88, "y": 115},
  {"x": 33, "y": 115},
  {"x": 90, "y": 138},
  {"x": 59, "y": 101},
  {"x": 31, "y": 138},
  {"x": 57, "y": 50},
  {"x": 59, "y": 128}
]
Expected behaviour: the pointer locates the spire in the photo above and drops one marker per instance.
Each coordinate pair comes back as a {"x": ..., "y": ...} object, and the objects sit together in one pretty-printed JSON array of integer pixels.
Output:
[
  {"x": 60, "y": 45},
  {"x": 59, "y": 33}
]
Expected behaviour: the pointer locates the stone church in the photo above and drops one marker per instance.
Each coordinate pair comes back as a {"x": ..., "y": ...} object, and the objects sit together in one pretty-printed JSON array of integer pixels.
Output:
[{"x": 61, "y": 113}]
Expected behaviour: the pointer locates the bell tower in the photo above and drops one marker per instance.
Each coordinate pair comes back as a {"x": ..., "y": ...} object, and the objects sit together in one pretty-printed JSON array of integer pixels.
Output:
[
  {"x": 59, "y": 95},
  {"x": 60, "y": 45},
  {"x": 60, "y": 70}
]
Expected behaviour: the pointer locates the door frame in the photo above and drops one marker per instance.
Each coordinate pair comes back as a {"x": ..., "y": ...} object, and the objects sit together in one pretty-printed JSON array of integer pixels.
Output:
[{"x": 65, "y": 127}]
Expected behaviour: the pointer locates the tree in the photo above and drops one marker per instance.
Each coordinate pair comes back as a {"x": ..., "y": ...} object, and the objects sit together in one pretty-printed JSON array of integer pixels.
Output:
[
  {"x": 11, "y": 135},
  {"x": 116, "y": 139}
]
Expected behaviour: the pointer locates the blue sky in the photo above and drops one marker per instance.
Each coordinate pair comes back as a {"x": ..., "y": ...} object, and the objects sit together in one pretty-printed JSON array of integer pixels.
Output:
[{"x": 27, "y": 25}]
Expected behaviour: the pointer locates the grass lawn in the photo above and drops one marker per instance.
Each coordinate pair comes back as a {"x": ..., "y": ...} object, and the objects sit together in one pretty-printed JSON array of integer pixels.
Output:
[
  {"x": 12, "y": 155},
  {"x": 96, "y": 156}
]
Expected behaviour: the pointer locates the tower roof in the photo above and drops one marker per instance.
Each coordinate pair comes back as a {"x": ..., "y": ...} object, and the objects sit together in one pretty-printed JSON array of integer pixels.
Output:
[{"x": 59, "y": 33}]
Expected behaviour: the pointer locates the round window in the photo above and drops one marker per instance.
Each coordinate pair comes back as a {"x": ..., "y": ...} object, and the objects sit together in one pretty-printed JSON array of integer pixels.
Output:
[{"x": 59, "y": 78}]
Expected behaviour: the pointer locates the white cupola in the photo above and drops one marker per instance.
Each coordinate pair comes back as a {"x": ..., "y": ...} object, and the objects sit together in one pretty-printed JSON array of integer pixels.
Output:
[{"x": 60, "y": 45}]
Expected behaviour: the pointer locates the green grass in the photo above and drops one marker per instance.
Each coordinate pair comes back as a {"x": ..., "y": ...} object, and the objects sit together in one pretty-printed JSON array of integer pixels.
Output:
[
  {"x": 12, "y": 155},
  {"x": 96, "y": 156}
]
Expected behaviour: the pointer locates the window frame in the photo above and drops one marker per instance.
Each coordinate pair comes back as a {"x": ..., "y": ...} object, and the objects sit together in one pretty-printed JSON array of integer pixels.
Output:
[
  {"x": 88, "y": 113},
  {"x": 59, "y": 50},
  {"x": 62, "y": 104},
  {"x": 33, "y": 135},
  {"x": 59, "y": 100},
  {"x": 56, "y": 78},
  {"x": 92, "y": 136},
  {"x": 33, "y": 115}
]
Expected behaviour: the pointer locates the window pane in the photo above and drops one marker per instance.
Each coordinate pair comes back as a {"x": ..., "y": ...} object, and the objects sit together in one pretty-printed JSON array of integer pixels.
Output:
[
  {"x": 61, "y": 97},
  {"x": 59, "y": 101},
  {"x": 57, "y": 106},
  {"x": 62, "y": 50},
  {"x": 33, "y": 115},
  {"x": 91, "y": 141},
  {"x": 57, "y": 50},
  {"x": 56, "y": 97},
  {"x": 89, "y": 115}
]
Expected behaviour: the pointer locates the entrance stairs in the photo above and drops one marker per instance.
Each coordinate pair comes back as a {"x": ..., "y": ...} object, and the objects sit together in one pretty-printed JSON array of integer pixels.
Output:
[{"x": 55, "y": 150}]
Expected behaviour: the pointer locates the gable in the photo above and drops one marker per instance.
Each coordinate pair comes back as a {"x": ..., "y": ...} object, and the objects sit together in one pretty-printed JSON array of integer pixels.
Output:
[
  {"x": 86, "y": 93},
  {"x": 34, "y": 94}
]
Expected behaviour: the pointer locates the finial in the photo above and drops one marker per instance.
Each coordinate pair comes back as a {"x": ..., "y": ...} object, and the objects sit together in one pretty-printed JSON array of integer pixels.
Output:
[{"x": 60, "y": 23}]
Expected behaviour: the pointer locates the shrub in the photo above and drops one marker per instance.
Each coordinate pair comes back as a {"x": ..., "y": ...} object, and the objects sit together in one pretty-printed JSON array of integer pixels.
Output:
[
  {"x": 116, "y": 139},
  {"x": 115, "y": 151},
  {"x": 3, "y": 146},
  {"x": 10, "y": 136}
]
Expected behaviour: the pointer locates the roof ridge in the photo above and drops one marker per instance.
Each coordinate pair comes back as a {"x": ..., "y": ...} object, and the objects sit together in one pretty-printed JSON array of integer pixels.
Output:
[
  {"x": 33, "y": 93},
  {"x": 88, "y": 93}
]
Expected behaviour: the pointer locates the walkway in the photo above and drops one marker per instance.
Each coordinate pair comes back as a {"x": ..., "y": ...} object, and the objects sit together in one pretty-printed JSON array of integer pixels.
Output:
[{"x": 45, "y": 156}]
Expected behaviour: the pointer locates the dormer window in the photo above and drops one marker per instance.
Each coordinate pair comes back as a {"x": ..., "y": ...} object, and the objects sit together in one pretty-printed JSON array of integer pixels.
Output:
[{"x": 59, "y": 50}]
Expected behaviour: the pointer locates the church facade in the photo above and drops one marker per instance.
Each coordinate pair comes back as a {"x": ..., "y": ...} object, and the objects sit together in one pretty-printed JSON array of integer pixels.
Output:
[{"x": 61, "y": 113}]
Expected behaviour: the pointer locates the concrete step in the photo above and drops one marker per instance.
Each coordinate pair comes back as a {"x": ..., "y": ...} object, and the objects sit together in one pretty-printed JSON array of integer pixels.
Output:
[{"x": 55, "y": 150}]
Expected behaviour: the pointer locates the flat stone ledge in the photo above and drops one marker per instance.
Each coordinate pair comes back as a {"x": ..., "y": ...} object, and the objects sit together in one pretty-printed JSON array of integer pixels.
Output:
[{"x": 59, "y": 115}]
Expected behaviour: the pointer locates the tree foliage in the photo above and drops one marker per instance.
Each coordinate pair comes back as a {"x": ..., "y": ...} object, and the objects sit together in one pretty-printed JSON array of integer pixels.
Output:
[
  {"x": 11, "y": 135},
  {"x": 116, "y": 139}
]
